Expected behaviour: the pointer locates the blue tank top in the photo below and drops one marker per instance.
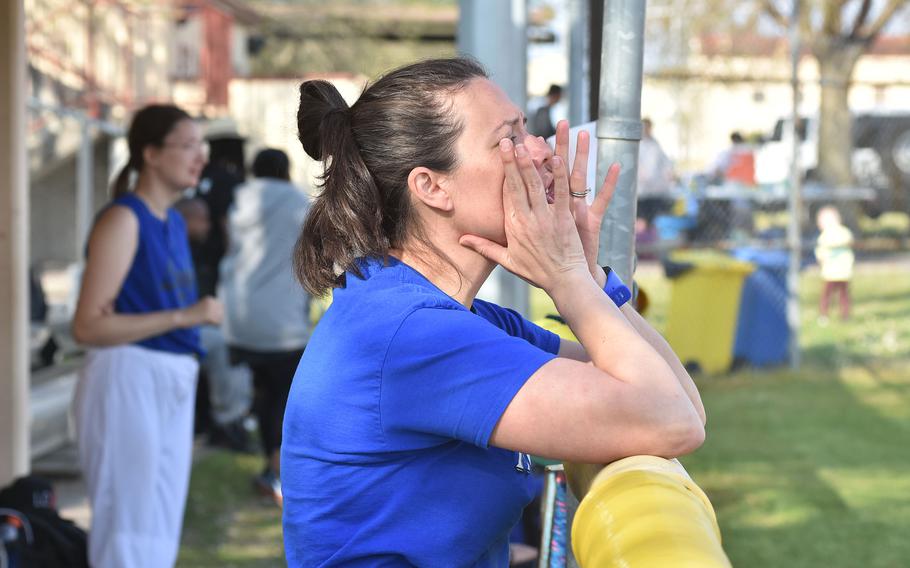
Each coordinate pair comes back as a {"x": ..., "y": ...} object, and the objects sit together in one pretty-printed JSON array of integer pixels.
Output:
[{"x": 161, "y": 276}]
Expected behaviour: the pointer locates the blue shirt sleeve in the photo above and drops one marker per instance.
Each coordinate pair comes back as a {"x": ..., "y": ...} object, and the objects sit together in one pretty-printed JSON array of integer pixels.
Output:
[
  {"x": 515, "y": 325},
  {"x": 450, "y": 374}
]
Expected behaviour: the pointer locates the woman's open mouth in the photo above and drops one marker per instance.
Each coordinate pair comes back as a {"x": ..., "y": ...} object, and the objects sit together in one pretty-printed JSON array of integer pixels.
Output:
[{"x": 550, "y": 188}]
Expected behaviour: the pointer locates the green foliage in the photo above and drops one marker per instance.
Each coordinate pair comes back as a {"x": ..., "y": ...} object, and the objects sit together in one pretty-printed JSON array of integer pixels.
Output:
[
  {"x": 890, "y": 224},
  {"x": 366, "y": 37}
]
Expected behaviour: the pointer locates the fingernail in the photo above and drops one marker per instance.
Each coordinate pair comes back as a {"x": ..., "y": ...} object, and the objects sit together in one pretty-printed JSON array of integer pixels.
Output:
[
  {"x": 557, "y": 161},
  {"x": 521, "y": 150},
  {"x": 504, "y": 144}
]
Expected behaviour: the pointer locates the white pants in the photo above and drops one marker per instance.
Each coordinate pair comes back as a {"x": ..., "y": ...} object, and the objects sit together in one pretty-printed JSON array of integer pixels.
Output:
[{"x": 134, "y": 422}]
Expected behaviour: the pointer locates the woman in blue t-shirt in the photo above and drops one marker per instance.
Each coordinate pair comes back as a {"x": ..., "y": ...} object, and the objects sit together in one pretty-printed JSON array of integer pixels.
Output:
[
  {"x": 139, "y": 313},
  {"x": 415, "y": 405}
]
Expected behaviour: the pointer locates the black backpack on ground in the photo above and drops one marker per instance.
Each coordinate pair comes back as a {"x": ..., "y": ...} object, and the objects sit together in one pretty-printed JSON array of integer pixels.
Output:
[{"x": 33, "y": 533}]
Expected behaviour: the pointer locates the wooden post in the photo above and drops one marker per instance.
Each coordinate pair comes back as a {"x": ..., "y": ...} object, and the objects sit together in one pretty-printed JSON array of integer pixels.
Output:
[{"x": 14, "y": 301}]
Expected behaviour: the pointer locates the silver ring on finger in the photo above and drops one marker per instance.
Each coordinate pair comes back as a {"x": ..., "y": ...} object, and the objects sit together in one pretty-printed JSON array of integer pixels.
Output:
[{"x": 580, "y": 193}]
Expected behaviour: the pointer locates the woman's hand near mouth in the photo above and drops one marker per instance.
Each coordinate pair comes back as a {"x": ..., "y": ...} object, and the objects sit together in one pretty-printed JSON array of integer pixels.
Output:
[{"x": 542, "y": 242}]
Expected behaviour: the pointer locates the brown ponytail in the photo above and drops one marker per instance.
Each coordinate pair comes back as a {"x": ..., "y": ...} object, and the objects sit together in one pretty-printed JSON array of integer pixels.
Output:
[
  {"x": 402, "y": 121},
  {"x": 121, "y": 185}
]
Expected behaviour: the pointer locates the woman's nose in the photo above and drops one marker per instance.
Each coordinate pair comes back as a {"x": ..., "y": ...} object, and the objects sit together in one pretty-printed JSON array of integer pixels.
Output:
[{"x": 538, "y": 149}]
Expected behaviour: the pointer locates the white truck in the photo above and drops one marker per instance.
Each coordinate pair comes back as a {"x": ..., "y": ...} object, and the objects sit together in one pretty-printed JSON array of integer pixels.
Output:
[{"x": 880, "y": 157}]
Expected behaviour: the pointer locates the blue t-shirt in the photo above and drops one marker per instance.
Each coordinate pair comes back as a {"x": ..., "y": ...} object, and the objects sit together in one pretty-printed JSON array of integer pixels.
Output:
[
  {"x": 385, "y": 458},
  {"x": 161, "y": 276}
]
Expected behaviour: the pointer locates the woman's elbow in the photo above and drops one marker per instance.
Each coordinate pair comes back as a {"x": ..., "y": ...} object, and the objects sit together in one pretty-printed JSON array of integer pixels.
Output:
[
  {"x": 77, "y": 331},
  {"x": 683, "y": 437},
  {"x": 82, "y": 331},
  {"x": 695, "y": 437}
]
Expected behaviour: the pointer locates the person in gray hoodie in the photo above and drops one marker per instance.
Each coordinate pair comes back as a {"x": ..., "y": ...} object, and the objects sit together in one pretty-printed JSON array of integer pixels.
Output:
[{"x": 267, "y": 321}]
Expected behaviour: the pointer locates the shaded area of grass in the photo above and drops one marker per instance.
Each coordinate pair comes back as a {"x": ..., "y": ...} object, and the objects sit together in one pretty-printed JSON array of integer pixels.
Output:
[
  {"x": 810, "y": 468},
  {"x": 227, "y": 524}
]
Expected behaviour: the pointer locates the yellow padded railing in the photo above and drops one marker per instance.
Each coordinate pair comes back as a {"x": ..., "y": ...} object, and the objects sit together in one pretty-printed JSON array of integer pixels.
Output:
[{"x": 646, "y": 512}]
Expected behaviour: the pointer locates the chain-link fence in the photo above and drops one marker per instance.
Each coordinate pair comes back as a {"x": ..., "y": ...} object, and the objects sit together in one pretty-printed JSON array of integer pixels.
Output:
[{"x": 715, "y": 205}]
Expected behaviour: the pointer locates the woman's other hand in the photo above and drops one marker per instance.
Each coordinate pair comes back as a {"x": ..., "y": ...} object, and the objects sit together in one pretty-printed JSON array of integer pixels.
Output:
[
  {"x": 588, "y": 218},
  {"x": 207, "y": 311}
]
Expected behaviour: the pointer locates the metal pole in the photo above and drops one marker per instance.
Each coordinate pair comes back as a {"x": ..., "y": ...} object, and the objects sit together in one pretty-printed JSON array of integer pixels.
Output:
[
  {"x": 618, "y": 136},
  {"x": 547, "y": 512},
  {"x": 579, "y": 72},
  {"x": 619, "y": 127},
  {"x": 14, "y": 350},
  {"x": 794, "y": 202},
  {"x": 495, "y": 33}
]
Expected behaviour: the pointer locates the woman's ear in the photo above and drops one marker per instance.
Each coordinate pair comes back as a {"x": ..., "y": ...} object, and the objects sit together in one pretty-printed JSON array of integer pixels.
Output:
[
  {"x": 430, "y": 188},
  {"x": 150, "y": 154}
]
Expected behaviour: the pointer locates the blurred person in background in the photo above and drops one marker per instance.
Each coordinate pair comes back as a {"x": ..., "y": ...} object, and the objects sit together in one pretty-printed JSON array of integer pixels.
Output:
[
  {"x": 267, "y": 320},
  {"x": 198, "y": 220},
  {"x": 735, "y": 164},
  {"x": 541, "y": 123},
  {"x": 834, "y": 252},
  {"x": 655, "y": 176},
  {"x": 224, "y": 391},
  {"x": 138, "y": 311},
  {"x": 220, "y": 177}
]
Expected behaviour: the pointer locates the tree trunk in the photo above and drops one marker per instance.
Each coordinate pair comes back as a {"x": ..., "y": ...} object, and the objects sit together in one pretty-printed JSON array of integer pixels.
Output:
[{"x": 835, "y": 144}]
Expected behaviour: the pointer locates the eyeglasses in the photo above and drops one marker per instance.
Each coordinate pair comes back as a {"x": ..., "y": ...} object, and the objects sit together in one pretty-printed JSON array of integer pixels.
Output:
[{"x": 193, "y": 146}]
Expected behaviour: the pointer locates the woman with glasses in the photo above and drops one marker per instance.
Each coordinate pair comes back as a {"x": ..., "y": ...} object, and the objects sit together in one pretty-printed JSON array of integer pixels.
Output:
[{"x": 138, "y": 312}]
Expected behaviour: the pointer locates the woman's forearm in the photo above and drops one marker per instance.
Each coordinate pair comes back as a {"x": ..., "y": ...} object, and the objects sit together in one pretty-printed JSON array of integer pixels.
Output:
[
  {"x": 116, "y": 329},
  {"x": 660, "y": 345},
  {"x": 609, "y": 339}
]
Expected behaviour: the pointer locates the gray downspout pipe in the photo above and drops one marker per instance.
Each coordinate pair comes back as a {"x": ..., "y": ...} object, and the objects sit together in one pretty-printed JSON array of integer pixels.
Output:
[
  {"x": 495, "y": 33},
  {"x": 579, "y": 62},
  {"x": 794, "y": 197},
  {"x": 619, "y": 127}
]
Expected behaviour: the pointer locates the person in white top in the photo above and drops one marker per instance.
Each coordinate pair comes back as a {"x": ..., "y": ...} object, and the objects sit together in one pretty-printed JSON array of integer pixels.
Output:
[
  {"x": 835, "y": 257},
  {"x": 655, "y": 176},
  {"x": 267, "y": 321}
]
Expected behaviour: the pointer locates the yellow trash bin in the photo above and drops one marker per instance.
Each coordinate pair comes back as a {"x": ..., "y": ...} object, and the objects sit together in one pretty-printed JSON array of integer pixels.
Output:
[{"x": 705, "y": 288}]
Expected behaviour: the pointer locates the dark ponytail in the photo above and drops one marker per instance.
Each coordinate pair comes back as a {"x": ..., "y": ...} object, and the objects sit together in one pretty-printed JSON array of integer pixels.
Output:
[
  {"x": 121, "y": 185},
  {"x": 150, "y": 127},
  {"x": 402, "y": 121},
  {"x": 344, "y": 222}
]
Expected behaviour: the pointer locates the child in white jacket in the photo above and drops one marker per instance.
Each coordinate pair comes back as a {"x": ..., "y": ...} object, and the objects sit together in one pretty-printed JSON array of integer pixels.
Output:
[{"x": 834, "y": 253}]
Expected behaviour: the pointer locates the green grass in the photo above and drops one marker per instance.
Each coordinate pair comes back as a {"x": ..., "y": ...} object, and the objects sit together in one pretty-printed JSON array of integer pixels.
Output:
[
  {"x": 805, "y": 469},
  {"x": 811, "y": 468},
  {"x": 227, "y": 524}
]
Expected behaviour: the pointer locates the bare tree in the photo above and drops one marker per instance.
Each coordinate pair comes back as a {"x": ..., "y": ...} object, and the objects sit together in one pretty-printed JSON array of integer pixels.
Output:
[{"x": 837, "y": 33}]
